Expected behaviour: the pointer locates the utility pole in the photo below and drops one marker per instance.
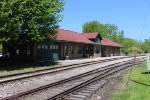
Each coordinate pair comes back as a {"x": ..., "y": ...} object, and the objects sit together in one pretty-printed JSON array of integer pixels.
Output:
[{"x": 127, "y": 83}]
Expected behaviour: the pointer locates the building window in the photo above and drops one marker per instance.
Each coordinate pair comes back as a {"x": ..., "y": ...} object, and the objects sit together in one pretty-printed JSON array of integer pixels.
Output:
[
  {"x": 87, "y": 50},
  {"x": 97, "y": 49},
  {"x": 51, "y": 46},
  {"x": 72, "y": 50},
  {"x": 66, "y": 50},
  {"x": 91, "y": 49},
  {"x": 114, "y": 50},
  {"x": 28, "y": 50},
  {"x": 80, "y": 50},
  {"x": 17, "y": 51},
  {"x": 46, "y": 47},
  {"x": 39, "y": 46},
  {"x": 56, "y": 46},
  {"x": 109, "y": 48},
  {"x": 43, "y": 46},
  {"x": 98, "y": 40}
]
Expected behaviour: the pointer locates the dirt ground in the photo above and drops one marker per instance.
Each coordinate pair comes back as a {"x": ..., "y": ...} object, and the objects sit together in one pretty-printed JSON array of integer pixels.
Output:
[{"x": 112, "y": 85}]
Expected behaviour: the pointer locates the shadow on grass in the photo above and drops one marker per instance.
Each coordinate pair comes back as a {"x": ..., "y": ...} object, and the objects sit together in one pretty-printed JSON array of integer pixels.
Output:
[
  {"x": 145, "y": 72},
  {"x": 140, "y": 83},
  {"x": 10, "y": 65}
]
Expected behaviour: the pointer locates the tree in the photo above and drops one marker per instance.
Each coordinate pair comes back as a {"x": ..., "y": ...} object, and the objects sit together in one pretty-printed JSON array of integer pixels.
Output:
[
  {"x": 131, "y": 46},
  {"x": 94, "y": 26},
  {"x": 133, "y": 49},
  {"x": 127, "y": 43},
  {"x": 110, "y": 31},
  {"x": 114, "y": 33},
  {"x": 146, "y": 46},
  {"x": 25, "y": 22}
]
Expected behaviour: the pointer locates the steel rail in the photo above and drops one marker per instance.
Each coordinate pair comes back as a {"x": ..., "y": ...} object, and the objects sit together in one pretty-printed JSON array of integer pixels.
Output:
[
  {"x": 62, "y": 95},
  {"x": 50, "y": 70},
  {"x": 41, "y": 70},
  {"x": 60, "y": 82}
]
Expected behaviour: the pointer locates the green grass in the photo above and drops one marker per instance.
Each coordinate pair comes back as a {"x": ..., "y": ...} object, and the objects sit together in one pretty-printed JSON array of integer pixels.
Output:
[{"x": 139, "y": 89}]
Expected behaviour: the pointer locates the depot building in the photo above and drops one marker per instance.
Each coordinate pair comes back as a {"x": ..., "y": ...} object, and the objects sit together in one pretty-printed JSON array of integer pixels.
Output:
[
  {"x": 73, "y": 45},
  {"x": 69, "y": 45}
]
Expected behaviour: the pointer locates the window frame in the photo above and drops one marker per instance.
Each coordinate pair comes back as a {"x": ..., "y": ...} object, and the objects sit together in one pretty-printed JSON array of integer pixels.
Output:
[{"x": 80, "y": 48}]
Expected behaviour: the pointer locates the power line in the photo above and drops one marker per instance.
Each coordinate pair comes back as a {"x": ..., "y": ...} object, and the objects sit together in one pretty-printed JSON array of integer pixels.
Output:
[{"x": 145, "y": 20}]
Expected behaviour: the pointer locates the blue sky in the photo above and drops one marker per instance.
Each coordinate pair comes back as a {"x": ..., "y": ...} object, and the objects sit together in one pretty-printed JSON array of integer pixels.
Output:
[{"x": 128, "y": 15}]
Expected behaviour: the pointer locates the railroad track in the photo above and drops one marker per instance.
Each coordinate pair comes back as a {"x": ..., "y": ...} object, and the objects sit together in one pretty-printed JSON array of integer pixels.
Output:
[
  {"x": 18, "y": 84},
  {"x": 58, "y": 90},
  {"x": 17, "y": 77}
]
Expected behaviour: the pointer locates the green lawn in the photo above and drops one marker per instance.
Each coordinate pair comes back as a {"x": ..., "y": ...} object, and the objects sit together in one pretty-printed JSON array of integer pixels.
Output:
[{"x": 138, "y": 89}]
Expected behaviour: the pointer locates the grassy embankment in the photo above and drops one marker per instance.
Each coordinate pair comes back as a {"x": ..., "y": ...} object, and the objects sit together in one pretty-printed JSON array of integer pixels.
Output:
[{"x": 138, "y": 87}]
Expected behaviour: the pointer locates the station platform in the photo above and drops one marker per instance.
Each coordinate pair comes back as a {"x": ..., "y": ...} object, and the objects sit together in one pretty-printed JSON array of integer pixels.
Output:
[{"x": 82, "y": 60}]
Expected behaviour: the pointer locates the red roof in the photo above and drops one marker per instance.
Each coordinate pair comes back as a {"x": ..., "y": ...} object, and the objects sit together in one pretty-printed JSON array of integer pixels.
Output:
[
  {"x": 107, "y": 42},
  {"x": 90, "y": 35},
  {"x": 70, "y": 36},
  {"x": 66, "y": 35}
]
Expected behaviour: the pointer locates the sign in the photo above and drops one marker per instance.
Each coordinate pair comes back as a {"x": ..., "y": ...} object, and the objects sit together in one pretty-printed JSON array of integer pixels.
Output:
[{"x": 148, "y": 61}]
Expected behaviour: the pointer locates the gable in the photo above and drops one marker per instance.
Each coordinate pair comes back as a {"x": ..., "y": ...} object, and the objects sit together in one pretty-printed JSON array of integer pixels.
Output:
[
  {"x": 98, "y": 38},
  {"x": 95, "y": 36}
]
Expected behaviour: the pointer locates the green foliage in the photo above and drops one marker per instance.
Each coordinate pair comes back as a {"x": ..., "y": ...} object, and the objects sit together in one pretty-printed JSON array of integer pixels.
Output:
[
  {"x": 110, "y": 31},
  {"x": 114, "y": 33},
  {"x": 146, "y": 46},
  {"x": 95, "y": 26},
  {"x": 29, "y": 20},
  {"x": 133, "y": 50},
  {"x": 129, "y": 45}
]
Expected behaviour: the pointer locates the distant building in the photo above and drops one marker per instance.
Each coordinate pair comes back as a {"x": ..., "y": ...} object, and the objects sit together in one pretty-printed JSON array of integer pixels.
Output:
[
  {"x": 73, "y": 45},
  {"x": 69, "y": 45}
]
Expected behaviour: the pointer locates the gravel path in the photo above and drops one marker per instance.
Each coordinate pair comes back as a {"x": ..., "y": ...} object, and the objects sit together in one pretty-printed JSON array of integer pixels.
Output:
[{"x": 74, "y": 61}]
